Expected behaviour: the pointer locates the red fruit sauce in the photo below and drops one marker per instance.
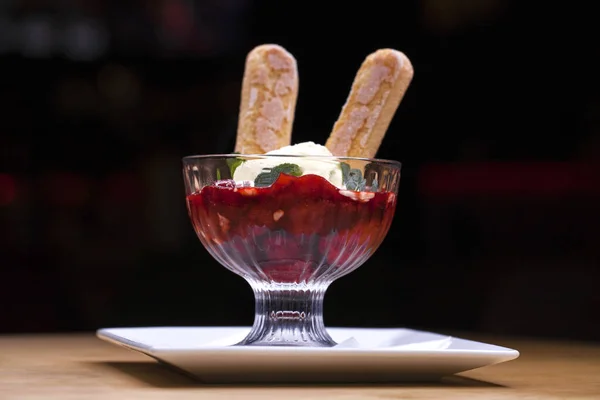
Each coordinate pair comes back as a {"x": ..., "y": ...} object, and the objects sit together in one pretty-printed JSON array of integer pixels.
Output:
[{"x": 296, "y": 230}]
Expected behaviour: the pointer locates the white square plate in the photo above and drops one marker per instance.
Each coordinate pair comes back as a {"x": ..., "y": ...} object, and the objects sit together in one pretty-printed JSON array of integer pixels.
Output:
[{"x": 362, "y": 355}]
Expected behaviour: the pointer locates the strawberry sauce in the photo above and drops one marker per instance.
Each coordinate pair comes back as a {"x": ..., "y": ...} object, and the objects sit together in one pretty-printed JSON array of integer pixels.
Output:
[{"x": 299, "y": 229}]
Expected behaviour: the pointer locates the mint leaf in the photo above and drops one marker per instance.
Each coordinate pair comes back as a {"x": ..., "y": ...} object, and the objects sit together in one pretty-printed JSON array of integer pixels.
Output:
[
  {"x": 218, "y": 174},
  {"x": 352, "y": 178},
  {"x": 288, "y": 168},
  {"x": 355, "y": 180},
  {"x": 265, "y": 179},
  {"x": 270, "y": 175},
  {"x": 345, "y": 169},
  {"x": 233, "y": 163}
]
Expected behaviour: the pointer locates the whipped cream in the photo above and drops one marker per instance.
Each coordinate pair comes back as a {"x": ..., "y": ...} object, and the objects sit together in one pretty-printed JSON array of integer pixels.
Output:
[{"x": 328, "y": 169}]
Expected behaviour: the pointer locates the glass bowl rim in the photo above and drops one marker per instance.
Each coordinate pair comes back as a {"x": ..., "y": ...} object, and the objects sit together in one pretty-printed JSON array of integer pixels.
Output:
[{"x": 394, "y": 163}]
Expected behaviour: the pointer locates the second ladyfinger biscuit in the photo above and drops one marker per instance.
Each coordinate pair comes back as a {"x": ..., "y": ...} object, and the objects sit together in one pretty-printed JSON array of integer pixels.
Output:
[{"x": 378, "y": 88}]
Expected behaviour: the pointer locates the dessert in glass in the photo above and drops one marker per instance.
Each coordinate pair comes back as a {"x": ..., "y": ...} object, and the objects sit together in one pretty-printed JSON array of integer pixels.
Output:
[
  {"x": 292, "y": 233},
  {"x": 290, "y": 220}
]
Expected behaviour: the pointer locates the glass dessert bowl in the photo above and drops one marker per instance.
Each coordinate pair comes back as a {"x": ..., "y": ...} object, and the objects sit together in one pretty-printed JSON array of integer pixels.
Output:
[{"x": 290, "y": 226}]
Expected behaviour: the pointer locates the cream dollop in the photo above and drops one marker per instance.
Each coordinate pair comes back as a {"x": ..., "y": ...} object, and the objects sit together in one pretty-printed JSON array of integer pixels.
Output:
[{"x": 328, "y": 169}]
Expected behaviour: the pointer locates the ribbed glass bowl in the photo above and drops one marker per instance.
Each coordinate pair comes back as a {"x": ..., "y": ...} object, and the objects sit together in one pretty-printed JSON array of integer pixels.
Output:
[{"x": 290, "y": 233}]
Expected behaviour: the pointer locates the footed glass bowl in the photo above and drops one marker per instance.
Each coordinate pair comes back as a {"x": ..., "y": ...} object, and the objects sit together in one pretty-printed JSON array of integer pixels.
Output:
[{"x": 290, "y": 226}]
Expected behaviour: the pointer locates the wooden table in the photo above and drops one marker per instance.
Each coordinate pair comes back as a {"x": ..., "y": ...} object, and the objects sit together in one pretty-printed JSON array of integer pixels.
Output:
[{"x": 83, "y": 367}]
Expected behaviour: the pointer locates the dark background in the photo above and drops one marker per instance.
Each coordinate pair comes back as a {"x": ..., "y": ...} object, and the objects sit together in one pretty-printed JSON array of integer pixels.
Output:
[{"x": 498, "y": 224}]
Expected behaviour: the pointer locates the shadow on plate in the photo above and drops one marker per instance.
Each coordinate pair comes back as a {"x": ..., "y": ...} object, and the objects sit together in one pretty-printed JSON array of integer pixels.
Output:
[{"x": 163, "y": 375}]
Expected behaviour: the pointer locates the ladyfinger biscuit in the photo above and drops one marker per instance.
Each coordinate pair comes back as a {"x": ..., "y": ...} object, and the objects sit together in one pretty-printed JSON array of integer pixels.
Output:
[
  {"x": 376, "y": 92},
  {"x": 268, "y": 101}
]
